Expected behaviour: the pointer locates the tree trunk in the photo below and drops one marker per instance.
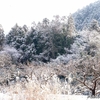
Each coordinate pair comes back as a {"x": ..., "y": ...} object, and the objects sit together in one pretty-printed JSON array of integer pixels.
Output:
[{"x": 93, "y": 92}]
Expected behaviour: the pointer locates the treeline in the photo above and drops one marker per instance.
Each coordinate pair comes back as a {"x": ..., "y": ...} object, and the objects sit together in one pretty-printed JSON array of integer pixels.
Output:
[{"x": 43, "y": 41}]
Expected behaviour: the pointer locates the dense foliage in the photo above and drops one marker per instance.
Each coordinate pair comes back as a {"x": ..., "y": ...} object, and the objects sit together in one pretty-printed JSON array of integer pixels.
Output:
[{"x": 44, "y": 41}]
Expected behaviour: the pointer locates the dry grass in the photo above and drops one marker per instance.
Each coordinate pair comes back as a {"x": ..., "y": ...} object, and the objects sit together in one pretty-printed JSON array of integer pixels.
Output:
[
  {"x": 43, "y": 86},
  {"x": 43, "y": 83},
  {"x": 32, "y": 91}
]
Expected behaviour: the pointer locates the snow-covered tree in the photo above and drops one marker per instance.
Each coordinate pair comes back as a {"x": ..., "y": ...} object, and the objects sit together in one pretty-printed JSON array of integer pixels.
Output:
[
  {"x": 86, "y": 71},
  {"x": 5, "y": 59},
  {"x": 2, "y": 37},
  {"x": 95, "y": 25},
  {"x": 71, "y": 26},
  {"x": 13, "y": 53},
  {"x": 16, "y": 36}
]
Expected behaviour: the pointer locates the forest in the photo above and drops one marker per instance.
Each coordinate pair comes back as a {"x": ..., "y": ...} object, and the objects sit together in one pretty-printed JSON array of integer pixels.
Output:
[{"x": 57, "y": 57}]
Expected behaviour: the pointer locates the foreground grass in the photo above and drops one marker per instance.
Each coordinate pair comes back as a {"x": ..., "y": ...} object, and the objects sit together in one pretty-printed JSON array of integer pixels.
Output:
[
  {"x": 36, "y": 91},
  {"x": 43, "y": 85},
  {"x": 28, "y": 91}
]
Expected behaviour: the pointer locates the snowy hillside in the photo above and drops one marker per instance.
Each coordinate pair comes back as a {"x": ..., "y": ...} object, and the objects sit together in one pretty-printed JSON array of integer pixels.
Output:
[{"x": 84, "y": 17}]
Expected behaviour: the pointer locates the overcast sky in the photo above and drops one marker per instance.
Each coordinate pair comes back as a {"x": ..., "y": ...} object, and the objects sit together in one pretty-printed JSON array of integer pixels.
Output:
[{"x": 27, "y": 11}]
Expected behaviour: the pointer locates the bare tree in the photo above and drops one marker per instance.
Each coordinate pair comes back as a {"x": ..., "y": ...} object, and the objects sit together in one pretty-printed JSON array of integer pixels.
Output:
[{"x": 87, "y": 72}]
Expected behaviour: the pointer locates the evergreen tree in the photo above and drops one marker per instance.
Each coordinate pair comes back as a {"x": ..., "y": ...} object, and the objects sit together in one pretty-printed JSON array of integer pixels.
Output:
[
  {"x": 16, "y": 36},
  {"x": 95, "y": 25},
  {"x": 70, "y": 26},
  {"x": 2, "y": 37}
]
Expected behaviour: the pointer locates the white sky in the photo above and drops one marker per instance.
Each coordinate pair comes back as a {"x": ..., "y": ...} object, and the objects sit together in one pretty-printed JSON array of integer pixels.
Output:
[{"x": 27, "y": 11}]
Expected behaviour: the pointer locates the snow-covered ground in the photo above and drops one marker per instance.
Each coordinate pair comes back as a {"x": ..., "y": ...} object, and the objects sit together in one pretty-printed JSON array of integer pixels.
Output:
[
  {"x": 4, "y": 96},
  {"x": 69, "y": 97},
  {"x": 49, "y": 97}
]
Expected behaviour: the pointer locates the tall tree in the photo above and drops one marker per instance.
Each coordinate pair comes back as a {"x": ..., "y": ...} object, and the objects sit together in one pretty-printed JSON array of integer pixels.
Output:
[
  {"x": 2, "y": 37},
  {"x": 70, "y": 26},
  {"x": 16, "y": 36}
]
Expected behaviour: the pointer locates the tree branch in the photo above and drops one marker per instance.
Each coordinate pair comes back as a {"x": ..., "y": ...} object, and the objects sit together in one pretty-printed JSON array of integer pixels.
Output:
[
  {"x": 83, "y": 82},
  {"x": 96, "y": 79}
]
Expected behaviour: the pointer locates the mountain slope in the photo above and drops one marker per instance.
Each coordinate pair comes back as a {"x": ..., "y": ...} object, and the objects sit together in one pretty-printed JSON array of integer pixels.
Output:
[{"x": 84, "y": 16}]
